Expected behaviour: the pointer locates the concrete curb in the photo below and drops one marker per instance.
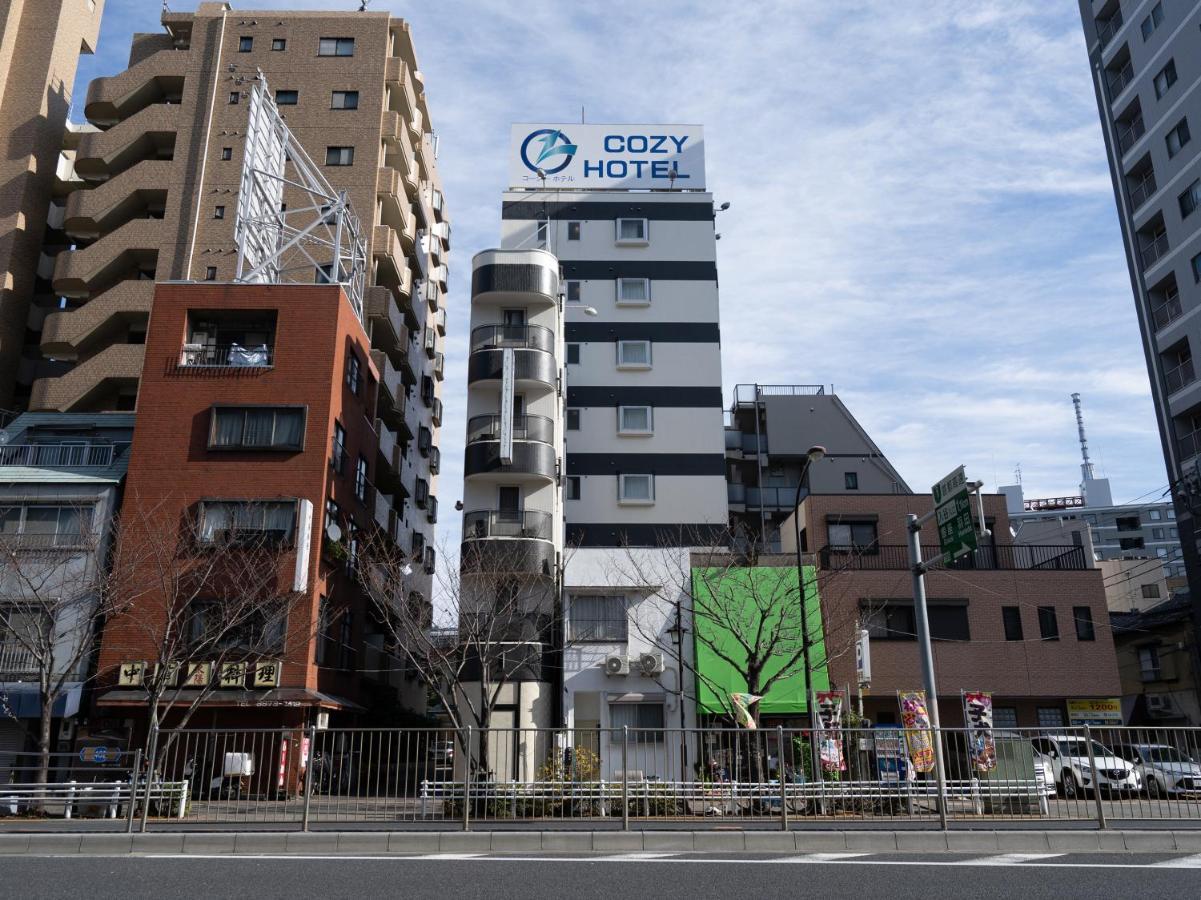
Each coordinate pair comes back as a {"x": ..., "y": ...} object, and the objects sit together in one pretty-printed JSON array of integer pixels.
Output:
[{"x": 409, "y": 842}]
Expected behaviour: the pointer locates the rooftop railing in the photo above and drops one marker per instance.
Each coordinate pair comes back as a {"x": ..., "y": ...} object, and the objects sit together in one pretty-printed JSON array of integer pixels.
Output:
[
  {"x": 1009, "y": 557},
  {"x": 52, "y": 456}
]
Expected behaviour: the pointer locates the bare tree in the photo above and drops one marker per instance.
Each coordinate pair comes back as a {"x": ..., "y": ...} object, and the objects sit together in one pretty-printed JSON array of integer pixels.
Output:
[
  {"x": 58, "y": 590},
  {"x": 206, "y": 592},
  {"x": 491, "y": 622}
]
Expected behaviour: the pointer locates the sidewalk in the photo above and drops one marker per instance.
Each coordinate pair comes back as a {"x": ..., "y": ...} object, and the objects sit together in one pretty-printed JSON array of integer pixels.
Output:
[{"x": 368, "y": 843}]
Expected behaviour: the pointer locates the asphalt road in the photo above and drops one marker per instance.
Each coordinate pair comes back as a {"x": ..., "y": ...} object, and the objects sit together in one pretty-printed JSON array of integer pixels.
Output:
[{"x": 658, "y": 875}]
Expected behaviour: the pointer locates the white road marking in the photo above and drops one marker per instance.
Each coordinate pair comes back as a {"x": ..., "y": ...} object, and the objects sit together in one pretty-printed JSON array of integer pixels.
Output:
[
  {"x": 635, "y": 855},
  {"x": 821, "y": 857},
  {"x": 1183, "y": 862},
  {"x": 1009, "y": 859},
  {"x": 449, "y": 856}
]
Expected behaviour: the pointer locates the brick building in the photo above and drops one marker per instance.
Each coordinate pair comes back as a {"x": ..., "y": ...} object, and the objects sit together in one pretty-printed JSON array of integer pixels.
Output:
[
  {"x": 1028, "y": 623},
  {"x": 201, "y": 455}
]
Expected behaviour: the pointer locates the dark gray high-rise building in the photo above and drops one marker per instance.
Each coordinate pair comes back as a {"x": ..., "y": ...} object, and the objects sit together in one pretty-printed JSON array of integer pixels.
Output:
[{"x": 1146, "y": 67}]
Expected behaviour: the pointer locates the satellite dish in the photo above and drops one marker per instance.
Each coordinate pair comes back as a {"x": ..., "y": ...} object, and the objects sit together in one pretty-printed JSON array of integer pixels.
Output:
[{"x": 333, "y": 532}]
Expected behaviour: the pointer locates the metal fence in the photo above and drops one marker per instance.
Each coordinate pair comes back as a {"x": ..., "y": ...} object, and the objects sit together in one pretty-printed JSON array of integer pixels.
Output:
[{"x": 630, "y": 777}]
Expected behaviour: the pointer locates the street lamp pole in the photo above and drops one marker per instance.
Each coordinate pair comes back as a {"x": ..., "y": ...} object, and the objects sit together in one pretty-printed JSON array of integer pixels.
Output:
[{"x": 815, "y": 453}]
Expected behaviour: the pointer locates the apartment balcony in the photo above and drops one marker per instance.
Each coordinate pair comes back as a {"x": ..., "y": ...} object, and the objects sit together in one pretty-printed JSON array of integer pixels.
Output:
[
  {"x": 533, "y": 457},
  {"x": 149, "y": 134},
  {"x": 440, "y": 321},
  {"x": 508, "y": 541},
  {"x": 392, "y": 396},
  {"x": 388, "y": 465},
  {"x": 388, "y": 254},
  {"x": 1168, "y": 310},
  {"x": 428, "y": 291},
  {"x": 440, "y": 276},
  {"x": 158, "y": 79},
  {"x": 57, "y": 456},
  {"x": 1107, "y": 29},
  {"x": 1189, "y": 445},
  {"x": 533, "y": 354},
  {"x": 1181, "y": 376},
  {"x": 17, "y": 663},
  {"x": 398, "y": 211},
  {"x": 1119, "y": 78},
  {"x": 773, "y": 498},
  {"x": 400, "y": 154},
  {"x": 515, "y": 278},
  {"x": 381, "y": 509},
  {"x": 1129, "y": 133},
  {"x": 132, "y": 194},
  {"x": 413, "y": 414},
  {"x": 1010, "y": 557},
  {"x": 1154, "y": 249},
  {"x": 116, "y": 366},
  {"x": 436, "y": 412},
  {"x": 78, "y": 272},
  {"x": 1141, "y": 192},
  {"x": 68, "y": 334},
  {"x": 403, "y": 93},
  {"x": 388, "y": 332}
]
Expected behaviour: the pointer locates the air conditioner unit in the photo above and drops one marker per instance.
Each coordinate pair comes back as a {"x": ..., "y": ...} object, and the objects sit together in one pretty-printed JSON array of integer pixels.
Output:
[
  {"x": 1162, "y": 705},
  {"x": 650, "y": 663},
  {"x": 617, "y": 665}
]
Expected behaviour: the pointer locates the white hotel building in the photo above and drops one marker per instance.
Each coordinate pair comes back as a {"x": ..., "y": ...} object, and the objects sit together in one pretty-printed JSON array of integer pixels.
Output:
[{"x": 616, "y": 378}]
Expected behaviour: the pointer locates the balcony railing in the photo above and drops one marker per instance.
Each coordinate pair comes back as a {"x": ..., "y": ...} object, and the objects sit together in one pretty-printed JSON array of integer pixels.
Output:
[
  {"x": 1154, "y": 249},
  {"x": 1106, "y": 30},
  {"x": 505, "y": 523},
  {"x": 749, "y": 393},
  {"x": 1189, "y": 445},
  {"x": 1168, "y": 311},
  {"x": 525, "y": 428},
  {"x": 768, "y": 497},
  {"x": 526, "y": 337},
  {"x": 1182, "y": 375},
  {"x": 1119, "y": 79},
  {"x": 51, "y": 456},
  {"x": 226, "y": 356},
  {"x": 1057, "y": 557},
  {"x": 1130, "y": 132},
  {"x": 1142, "y": 191},
  {"x": 29, "y": 540},
  {"x": 16, "y": 660}
]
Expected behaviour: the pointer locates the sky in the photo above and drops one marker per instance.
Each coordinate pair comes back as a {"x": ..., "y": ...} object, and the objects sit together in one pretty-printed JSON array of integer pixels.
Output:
[{"x": 921, "y": 212}]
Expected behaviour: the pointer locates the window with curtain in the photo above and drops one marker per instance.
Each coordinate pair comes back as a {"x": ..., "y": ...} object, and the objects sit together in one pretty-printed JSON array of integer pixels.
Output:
[
  {"x": 257, "y": 428},
  {"x": 631, "y": 229},
  {"x": 44, "y": 525},
  {"x": 247, "y": 521},
  {"x": 598, "y": 618},
  {"x": 633, "y": 290},
  {"x": 636, "y": 716}
]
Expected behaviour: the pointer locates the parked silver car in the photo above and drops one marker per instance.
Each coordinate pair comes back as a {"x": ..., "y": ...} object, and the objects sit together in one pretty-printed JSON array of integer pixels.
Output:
[{"x": 1165, "y": 770}]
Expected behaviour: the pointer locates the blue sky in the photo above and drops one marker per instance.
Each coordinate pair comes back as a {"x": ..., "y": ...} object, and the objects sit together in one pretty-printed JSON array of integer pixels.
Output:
[{"x": 921, "y": 210}]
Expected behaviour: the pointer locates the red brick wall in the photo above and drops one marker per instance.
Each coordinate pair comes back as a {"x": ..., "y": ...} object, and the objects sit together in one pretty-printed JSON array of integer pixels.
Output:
[{"x": 171, "y": 468}]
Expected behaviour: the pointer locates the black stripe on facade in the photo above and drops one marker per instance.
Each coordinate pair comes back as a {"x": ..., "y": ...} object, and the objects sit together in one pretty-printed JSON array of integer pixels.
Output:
[
  {"x": 516, "y": 277},
  {"x": 601, "y": 534},
  {"x": 667, "y": 395},
  {"x": 594, "y": 210},
  {"x": 664, "y": 464},
  {"x": 661, "y": 270},
  {"x": 659, "y": 332}
]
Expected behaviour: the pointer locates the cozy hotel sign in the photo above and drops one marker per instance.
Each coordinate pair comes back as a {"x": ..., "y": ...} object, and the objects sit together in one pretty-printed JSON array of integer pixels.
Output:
[{"x": 618, "y": 157}]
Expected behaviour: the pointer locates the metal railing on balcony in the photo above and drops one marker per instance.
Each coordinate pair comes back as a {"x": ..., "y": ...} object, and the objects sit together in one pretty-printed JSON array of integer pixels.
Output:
[
  {"x": 1130, "y": 132},
  {"x": 507, "y": 523},
  {"x": 528, "y": 337},
  {"x": 1154, "y": 249},
  {"x": 1009, "y": 557},
  {"x": 1168, "y": 311},
  {"x": 1189, "y": 445},
  {"x": 15, "y": 659},
  {"x": 1141, "y": 192},
  {"x": 749, "y": 393},
  {"x": 1179, "y": 377},
  {"x": 1118, "y": 79},
  {"x": 1107, "y": 29},
  {"x": 227, "y": 356},
  {"x": 31, "y": 540},
  {"x": 53, "y": 456},
  {"x": 525, "y": 428}
]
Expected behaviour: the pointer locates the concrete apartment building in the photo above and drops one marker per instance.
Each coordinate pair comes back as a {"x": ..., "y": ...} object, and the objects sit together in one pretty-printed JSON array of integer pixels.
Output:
[
  {"x": 40, "y": 44},
  {"x": 161, "y": 169},
  {"x": 1025, "y": 622},
  {"x": 1145, "y": 59},
  {"x": 769, "y": 430}
]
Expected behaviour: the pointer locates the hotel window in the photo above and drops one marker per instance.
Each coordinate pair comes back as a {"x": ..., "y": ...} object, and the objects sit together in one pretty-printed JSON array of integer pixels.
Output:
[
  {"x": 339, "y": 156},
  {"x": 633, "y": 291},
  {"x": 345, "y": 100},
  {"x": 571, "y": 488},
  {"x": 335, "y": 46},
  {"x": 631, "y": 231},
  {"x": 635, "y": 420},
  {"x": 1165, "y": 79},
  {"x": 287, "y": 98},
  {"x": 257, "y": 428},
  {"x": 278, "y": 44},
  {"x": 573, "y": 291},
  {"x": 603, "y": 618},
  {"x": 1178, "y": 137},
  {"x": 573, "y": 231},
  {"x": 1048, "y": 624},
  {"x": 245, "y": 44},
  {"x": 573, "y": 419},
  {"x": 636, "y": 489},
  {"x": 634, "y": 354},
  {"x": 1083, "y": 616}
]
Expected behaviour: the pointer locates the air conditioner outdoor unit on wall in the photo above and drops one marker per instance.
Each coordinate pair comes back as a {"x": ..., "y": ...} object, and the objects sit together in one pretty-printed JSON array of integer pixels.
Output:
[
  {"x": 650, "y": 663},
  {"x": 617, "y": 665}
]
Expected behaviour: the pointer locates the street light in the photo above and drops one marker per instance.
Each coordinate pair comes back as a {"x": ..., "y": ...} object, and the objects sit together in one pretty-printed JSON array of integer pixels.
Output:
[{"x": 816, "y": 452}]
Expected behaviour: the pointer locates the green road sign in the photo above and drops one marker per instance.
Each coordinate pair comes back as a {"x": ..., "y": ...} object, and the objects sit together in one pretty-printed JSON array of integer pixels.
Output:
[{"x": 953, "y": 512}]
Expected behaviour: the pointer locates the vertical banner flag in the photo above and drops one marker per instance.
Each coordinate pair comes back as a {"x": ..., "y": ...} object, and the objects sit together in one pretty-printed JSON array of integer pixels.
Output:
[
  {"x": 829, "y": 734},
  {"x": 742, "y": 704},
  {"x": 977, "y": 713},
  {"x": 915, "y": 719}
]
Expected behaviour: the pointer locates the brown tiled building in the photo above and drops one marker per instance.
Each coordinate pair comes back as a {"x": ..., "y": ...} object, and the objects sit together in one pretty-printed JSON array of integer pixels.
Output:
[
  {"x": 1028, "y": 623},
  {"x": 40, "y": 44},
  {"x": 300, "y": 355}
]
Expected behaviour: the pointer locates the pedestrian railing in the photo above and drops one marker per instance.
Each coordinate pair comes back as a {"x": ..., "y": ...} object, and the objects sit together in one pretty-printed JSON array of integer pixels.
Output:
[{"x": 623, "y": 777}]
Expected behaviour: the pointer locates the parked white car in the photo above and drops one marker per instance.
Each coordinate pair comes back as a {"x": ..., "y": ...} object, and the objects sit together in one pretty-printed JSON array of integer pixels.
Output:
[
  {"x": 1164, "y": 769},
  {"x": 1068, "y": 755}
]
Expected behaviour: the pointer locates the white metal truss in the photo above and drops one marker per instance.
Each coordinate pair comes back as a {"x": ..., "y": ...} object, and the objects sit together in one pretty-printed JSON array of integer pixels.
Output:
[{"x": 317, "y": 238}]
